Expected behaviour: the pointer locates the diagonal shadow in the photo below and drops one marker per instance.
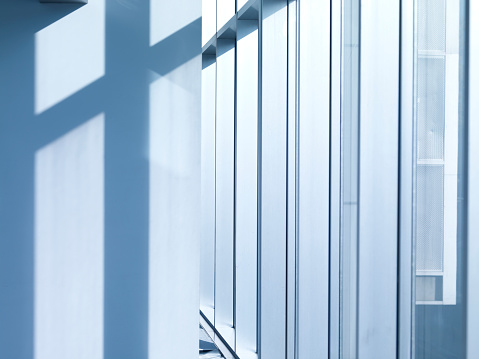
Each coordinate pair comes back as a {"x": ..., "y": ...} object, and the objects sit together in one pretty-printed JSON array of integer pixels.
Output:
[
  {"x": 162, "y": 58},
  {"x": 176, "y": 49},
  {"x": 31, "y": 14}
]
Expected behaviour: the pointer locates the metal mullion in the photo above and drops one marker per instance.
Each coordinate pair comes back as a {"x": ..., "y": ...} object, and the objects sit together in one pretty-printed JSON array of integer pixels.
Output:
[
  {"x": 313, "y": 250},
  {"x": 273, "y": 179},
  {"x": 291, "y": 181},
  {"x": 335, "y": 177},
  {"x": 259, "y": 181},
  {"x": 378, "y": 179},
  {"x": 235, "y": 178},
  {"x": 407, "y": 145},
  {"x": 472, "y": 108}
]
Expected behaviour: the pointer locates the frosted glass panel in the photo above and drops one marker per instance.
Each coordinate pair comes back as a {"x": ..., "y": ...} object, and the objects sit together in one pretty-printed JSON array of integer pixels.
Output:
[
  {"x": 430, "y": 217},
  {"x": 273, "y": 179},
  {"x": 207, "y": 250},
  {"x": 431, "y": 107},
  {"x": 226, "y": 10},
  {"x": 208, "y": 20},
  {"x": 240, "y": 4},
  {"x": 246, "y": 188},
  {"x": 313, "y": 177},
  {"x": 225, "y": 139},
  {"x": 431, "y": 33}
]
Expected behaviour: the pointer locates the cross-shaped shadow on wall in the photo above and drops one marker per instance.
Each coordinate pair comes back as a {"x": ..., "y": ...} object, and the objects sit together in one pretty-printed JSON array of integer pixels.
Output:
[{"x": 122, "y": 94}]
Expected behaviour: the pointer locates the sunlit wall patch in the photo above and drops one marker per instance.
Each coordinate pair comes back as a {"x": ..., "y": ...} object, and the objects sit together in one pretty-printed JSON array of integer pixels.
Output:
[
  {"x": 69, "y": 245},
  {"x": 69, "y": 55}
]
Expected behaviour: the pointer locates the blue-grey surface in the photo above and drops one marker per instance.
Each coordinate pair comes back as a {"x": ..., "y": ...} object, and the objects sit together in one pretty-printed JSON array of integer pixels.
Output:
[
  {"x": 62, "y": 65},
  {"x": 473, "y": 208}
]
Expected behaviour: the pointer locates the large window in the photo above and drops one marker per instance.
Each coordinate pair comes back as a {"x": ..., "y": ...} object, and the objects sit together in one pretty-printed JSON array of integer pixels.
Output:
[{"x": 336, "y": 152}]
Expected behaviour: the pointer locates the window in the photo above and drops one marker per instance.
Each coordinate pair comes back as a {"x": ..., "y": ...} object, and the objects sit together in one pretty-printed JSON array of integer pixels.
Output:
[{"x": 439, "y": 167}]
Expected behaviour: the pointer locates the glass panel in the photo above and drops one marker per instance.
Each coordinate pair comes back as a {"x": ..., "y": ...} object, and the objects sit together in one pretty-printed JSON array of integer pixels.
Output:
[
  {"x": 246, "y": 189},
  {"x": 208, "y": 168},
  {"x": 313, "y": 179},
  {"x": 431, "y": 24},
  {"x": 208, "y": 20},
  {"x": 349, "y": 178},
  {"x": 225, "y": 11},
  {"x": 430, "y": 218},
  {"x": 439, "y": 183},
  {"x": 430, "y": 107},
  {"x": 291, "y": 182},
  {"x": 240, "y": 4},
  {"x": 273, "y": 168},
  {"x": 225, "y": 139}
]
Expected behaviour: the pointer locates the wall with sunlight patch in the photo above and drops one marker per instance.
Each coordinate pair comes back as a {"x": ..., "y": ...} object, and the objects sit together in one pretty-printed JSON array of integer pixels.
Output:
[
  {"x": 69, "y": 244},
  {"x": 99, "y": 179}
]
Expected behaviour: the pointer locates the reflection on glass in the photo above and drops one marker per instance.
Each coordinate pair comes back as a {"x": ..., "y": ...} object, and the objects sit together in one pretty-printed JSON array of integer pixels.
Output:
[
  {"x": 439, "y": 315},
  {"x": 349, "y": 178}
]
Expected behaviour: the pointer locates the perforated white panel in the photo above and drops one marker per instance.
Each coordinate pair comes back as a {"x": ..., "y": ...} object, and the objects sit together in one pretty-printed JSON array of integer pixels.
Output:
[
  {"x": 431, "y": 25},
  {"x": 431, "y": 105},
  {"x": 430, "y": 218}
]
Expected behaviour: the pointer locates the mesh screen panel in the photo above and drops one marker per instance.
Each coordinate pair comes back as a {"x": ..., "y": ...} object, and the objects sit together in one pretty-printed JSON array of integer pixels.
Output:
[
  {"x": 430, "y": 218},
  {"x": 431, "y": 25},
  {"x": 431, "y": 107}
]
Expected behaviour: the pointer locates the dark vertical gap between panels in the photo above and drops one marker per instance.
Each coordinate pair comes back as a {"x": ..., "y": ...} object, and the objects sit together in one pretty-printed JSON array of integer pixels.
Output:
[
  {"x": 412, "y": 255},
  {"x": 341, "y": 172},
  {"x": 259, "y": 183},
  {"x": 334, "y": 169},
  {"x": 464, "y": 27},
  {"x": 287, "y": 184},
  {"x": 413, "y": 222},
  {"x": 358, "y": 182},
  {"x": 234, "y": 179},
  {"x": 330, "y": 168},
  {"x": 398, "y": 256},
  {"x": 466, "y": 63},
  {"x": 413, "y": 194},
  {"x": 297, "y": 164}
]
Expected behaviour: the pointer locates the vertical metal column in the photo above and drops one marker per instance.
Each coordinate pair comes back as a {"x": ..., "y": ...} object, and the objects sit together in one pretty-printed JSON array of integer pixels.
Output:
[
  {"x": 313, "y": 231},
  {"x": 225, "y": 64},
  {"x": 291, "y": 180},
  {"x": 246, "y": 226},
  {"x": 406, "y": 180},
  {"x": 473, "y": 182},
  {"x": 378, "y": 179},
  {"x": 273, "y": 179},
  {"x": 335, "y": 179}
]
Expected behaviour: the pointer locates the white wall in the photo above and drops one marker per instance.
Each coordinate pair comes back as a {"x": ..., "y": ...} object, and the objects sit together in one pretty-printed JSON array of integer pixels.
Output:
[{"x": 99, "y": 179}]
